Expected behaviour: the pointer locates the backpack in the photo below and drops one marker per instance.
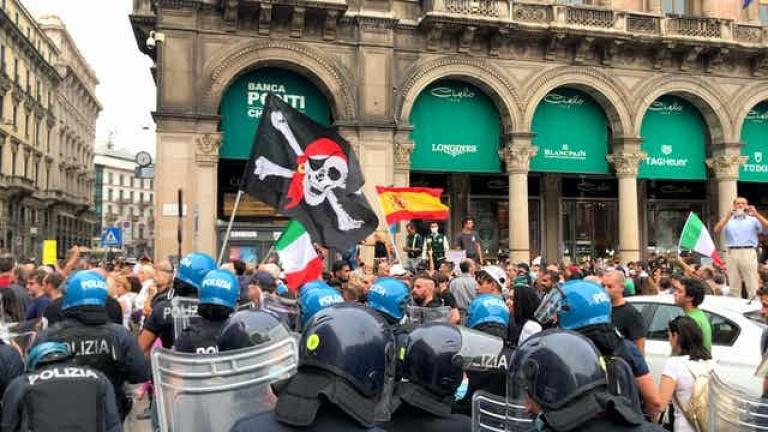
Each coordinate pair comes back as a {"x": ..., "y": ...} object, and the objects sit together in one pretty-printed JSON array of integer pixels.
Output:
[
  {"x": 695, "y": 411},
  {"x": 621, "y": 381}
]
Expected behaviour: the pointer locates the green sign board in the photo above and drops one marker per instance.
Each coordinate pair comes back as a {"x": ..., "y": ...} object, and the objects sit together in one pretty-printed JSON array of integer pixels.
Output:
[
  {"x": 675, "y": 139},
  {"x": 243, "y": 102},
  {"x": 571, "y": 132},
  {"x": 754, "y": 135},
  {"x": 456, "y": 128}
]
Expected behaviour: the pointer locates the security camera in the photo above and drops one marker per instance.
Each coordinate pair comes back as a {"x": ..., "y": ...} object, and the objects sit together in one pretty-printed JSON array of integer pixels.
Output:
[{"x": 154, "y": 38}]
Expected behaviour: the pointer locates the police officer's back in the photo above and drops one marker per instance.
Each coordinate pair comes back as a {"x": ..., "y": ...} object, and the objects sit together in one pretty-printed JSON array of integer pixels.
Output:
[
  {"x": 11, "y": 365},
  {"x": 58, "y": 394},
  {"x": 218, "y": 297},
  {"x": 389, "y": 298},
  {"x": 315, "y": 296},
  {"x": 568, "y": 394},
  {"x": 94, "y": 340}
]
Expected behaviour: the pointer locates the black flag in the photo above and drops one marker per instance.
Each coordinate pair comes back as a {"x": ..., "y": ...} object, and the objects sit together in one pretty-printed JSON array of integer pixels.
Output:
[{"x": 310, "y": 173}]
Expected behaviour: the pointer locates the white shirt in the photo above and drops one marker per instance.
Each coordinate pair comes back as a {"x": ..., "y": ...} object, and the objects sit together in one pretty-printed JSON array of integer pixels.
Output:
[
  {"x": 141, "y": 298},
  {"x": 677, "y": 368},
  {"x": 530, "y": 328}
]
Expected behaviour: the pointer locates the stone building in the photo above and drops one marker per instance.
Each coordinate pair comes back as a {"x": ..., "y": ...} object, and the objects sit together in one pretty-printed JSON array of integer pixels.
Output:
[
  {"x": 566, "y": 128},
  {"x": 124, "y": 200},
  {"x": 48, "y": 111}
]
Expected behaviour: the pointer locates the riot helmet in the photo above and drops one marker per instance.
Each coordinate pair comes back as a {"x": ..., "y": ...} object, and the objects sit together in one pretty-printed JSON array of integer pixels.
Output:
[
  {"x": 576, "y": 304},
  {"x": 249, "y": 328},
  {"x": 192, "y": 269},
  {"x": 543, "y": 368},
  {"x": 390, "y": 297},
  {"x": 219, "y": 287},
  {"x": 85, "y": 288},
  {"x": 315, "y": 296},
  {"x": 347, "y": 354},
  {"x": 47, "y": 352},
  {"x": 487, "y": 309}
]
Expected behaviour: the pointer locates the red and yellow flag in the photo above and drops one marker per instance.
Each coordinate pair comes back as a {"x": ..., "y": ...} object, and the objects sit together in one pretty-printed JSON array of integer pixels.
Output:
[{"x": 405, "y": 203}]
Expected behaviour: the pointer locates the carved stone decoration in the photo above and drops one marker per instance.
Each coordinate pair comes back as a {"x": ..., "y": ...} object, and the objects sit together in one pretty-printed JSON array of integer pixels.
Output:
[
  {"x": 759, "y": 65},
  {"x": 433, "y": 36},
  {"x": 403, "y": 152},
  {"x": 517, "y": 158},
  {"x": 690, "y": 58},
  {"x": 329, "y": 27},
  {"x": 626, "y": 164},
  {"x": 297, "y": 22},
  {"x": 716, "y": 60},
  {"x": 661, "y": 55},
  {"x": 497, "y": 39},
  {"x": 609, "y": 50},
  {"x": 230, "y": 12},
  {"x": 583, "y": 49},
  {"x": 207, "y": 149},
  {"x": 553, "y": 45},
  {"x": 726, "y": 166},
  {"x": 467, "y": 36},
  {"x": 265, "y": 19}
]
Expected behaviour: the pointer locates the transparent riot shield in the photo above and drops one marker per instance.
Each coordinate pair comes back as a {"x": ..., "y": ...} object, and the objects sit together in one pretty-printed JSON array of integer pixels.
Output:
[
  {"x": 424, "y": 315},
  {"x": 22, "y": 334},
  {"x": 736, "y": 406},
  {"x": 491, "y": 413},
  {"x": 183, "y": 313},
  {"x": 212, "y": 392},
  {"x": 284, "y": 309}
]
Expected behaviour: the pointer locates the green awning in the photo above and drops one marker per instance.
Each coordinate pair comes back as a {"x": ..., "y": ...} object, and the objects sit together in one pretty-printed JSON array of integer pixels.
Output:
[
  {"x": 243, "y": 102},
  {"x": 571, "y": 133},
  {"x": 754, "y": 135},
  {"x": 675, "y": 139},
  {"x": 456, "y": 128}
]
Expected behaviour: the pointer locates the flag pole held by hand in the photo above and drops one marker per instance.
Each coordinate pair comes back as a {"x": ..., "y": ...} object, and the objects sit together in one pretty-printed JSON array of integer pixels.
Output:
[{"x": 229, "y": 227}]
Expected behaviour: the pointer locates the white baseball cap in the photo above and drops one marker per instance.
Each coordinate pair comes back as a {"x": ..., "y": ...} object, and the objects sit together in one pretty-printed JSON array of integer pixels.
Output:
[
  {"x": 497, "y": 274},
  {"x": 397, "y": 270}
]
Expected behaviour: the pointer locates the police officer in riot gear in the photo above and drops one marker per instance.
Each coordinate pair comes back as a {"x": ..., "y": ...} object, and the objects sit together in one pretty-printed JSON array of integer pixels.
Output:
[
  {"x": 584, "y": 307},
  {"x": 389, "y": 297},
  {"x": 186, "y": 283},
  {"x": 11, "y": 365},
  {"x": 345, "y": 375},
  {"x": 250, "y": 327},
  {"x": 58, "y": 394},
  {"x": 315, "y": 296},
  {"x": 218, "y": 297},
  {"x": 94, "y": 340},
  {"x": 568, "y": 395},
  {"x": 489, "y": 314}
]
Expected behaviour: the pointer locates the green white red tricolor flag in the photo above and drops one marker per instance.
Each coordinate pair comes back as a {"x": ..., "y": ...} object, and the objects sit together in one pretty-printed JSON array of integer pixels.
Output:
[
  {"x": 298, "y": 257},
  {"x": 695, "y": 237}
]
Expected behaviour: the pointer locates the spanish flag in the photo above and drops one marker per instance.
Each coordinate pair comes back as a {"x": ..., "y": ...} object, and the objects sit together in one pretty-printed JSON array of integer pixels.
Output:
[{"x": 405, "y": 203}]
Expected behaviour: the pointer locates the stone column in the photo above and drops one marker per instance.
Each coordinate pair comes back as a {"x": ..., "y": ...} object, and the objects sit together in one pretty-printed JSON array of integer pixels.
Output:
[
  {"x": 626, "y": 164},
  {"x": 206, "y": 164},
  {"x": 517, "y": 155},
  {"x": 654, "y": 6},
  {"x": 726, "y": 169}
]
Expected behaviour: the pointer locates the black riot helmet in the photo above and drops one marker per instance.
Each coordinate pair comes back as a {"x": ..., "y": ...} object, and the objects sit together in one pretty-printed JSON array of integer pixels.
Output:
[
  {"x": 347, "y": 354},
  {"x": 249, "y": 328},
  {"x": 544, "y": 368}
]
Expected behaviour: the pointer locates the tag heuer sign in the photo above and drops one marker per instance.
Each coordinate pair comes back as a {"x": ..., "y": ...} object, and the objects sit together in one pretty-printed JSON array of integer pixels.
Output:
[{"x": 753, "y": 134}]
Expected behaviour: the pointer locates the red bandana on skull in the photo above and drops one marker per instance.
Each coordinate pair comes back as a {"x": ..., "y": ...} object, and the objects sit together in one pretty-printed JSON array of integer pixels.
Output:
[{"x": 319, "y": 149}]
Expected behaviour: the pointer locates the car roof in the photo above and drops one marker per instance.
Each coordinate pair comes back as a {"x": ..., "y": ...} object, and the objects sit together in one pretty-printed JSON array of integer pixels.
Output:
[{"x": 711, "y": 302}]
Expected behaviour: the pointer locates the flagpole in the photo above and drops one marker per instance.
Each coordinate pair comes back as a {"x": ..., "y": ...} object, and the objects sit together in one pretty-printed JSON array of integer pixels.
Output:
[
  {"x": 391, "y": 235},
  {"x": 269, "y": 252},
  {"x": 229, "y": 227}
]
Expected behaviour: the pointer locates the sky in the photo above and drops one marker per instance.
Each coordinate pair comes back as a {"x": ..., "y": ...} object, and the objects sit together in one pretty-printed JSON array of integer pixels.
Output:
[{"x": 126, "y": 91}]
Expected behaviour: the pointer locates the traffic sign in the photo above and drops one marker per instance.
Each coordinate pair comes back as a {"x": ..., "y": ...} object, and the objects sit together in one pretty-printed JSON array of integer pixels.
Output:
[{"x": 112, "y": 237}]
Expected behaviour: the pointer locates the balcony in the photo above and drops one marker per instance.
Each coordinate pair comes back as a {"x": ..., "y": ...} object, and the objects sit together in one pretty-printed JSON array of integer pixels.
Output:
[{"x": 20, "y": 184}]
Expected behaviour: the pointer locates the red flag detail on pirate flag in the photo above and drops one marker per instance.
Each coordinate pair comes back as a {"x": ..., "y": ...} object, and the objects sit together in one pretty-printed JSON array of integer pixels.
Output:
[{"x": 309, "y": 172}]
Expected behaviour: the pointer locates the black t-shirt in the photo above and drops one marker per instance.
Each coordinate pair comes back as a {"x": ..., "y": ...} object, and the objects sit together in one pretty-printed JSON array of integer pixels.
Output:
[
  {"x": 449, "y": 299},
  {"x": 628, "y": 321},
  {"x": 160, "y": 321},
  {"x": 53, "y": 312},
  {"x": 468, "y": 242}
]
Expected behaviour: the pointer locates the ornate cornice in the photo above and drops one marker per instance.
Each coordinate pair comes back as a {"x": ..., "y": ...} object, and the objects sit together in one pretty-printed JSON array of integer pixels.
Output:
[
  {"x": 726, "y": 166},
  {"x": 626, "y": 164},
  {"x": 207, "y": 149}
]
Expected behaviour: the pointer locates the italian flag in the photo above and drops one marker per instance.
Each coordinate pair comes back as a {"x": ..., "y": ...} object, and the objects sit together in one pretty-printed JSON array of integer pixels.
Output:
[
  {"x": 300, "y": 262},
  {"x": 695, "y": 237}
]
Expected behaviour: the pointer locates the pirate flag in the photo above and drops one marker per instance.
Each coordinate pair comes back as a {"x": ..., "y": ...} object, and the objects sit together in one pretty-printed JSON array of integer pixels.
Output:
[{"x": 308, "y": 172}]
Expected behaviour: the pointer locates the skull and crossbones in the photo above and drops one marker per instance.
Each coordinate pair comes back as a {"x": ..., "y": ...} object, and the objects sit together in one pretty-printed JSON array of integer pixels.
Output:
[{"x": 321, "y": 169}]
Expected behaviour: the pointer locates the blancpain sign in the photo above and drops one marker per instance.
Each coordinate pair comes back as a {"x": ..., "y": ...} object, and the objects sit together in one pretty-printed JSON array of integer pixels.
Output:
[
  {"x": 565, "y": 153},
  {"x": 257, "y": 96},
  {"x": 454, "y": 150},
  {"x": 665, "y": 160},
  {"x": 754, "y": 163}
]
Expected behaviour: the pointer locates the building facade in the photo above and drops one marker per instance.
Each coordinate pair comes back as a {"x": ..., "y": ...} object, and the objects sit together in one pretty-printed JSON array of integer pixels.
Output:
[
  {"x": 125, "y": 201},
  {"x": 47, "y": 116},
  {"x": 567, "y": 128}
]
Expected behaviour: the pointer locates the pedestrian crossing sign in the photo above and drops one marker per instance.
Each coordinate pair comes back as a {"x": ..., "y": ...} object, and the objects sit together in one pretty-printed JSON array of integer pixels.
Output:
[{"x": 112, "y": 237}]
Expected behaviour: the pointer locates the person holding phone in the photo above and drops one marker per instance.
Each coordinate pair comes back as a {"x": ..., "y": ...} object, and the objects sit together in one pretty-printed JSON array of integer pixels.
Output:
[{"x": 741, "y": 226}]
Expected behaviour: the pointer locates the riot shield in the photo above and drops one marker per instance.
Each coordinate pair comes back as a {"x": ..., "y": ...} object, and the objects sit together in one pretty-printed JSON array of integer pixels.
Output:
[
  {"x": 284, "y": 309},
  {"x": 491, "y": 413},
  {"x": 207, "y": 393},
  {"x": 733, "y": 407},
  {"x": 183, "y": 313},
  {"x": 424, "y": 315},
  {"x": 21, "y": 333}
]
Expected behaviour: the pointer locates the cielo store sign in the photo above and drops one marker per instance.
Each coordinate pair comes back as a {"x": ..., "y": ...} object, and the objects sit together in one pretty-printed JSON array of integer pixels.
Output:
[
  {"x": 243, "y": 104},
  {"x": 675, "y": 140},
  {"x": 754, "y": 135},
  {"x": 571, "y": 132},
  {"x": 456, "y": 128}
]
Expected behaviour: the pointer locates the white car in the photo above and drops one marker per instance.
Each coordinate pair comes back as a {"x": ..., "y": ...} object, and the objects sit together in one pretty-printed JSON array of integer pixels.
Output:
[{"x": 737, "y": 329}]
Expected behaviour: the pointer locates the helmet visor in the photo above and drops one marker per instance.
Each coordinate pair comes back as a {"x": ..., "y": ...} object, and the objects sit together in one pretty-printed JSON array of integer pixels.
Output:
[
  {"x": 550, "y": 306},
  {"x": 480, "y": 351},
  {"x": 424, "y": 315},
  {"x": 183, "y": 313}
]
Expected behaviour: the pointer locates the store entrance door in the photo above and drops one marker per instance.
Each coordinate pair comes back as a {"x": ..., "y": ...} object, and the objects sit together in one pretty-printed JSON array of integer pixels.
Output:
[{"x": 589, "y": 228}]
